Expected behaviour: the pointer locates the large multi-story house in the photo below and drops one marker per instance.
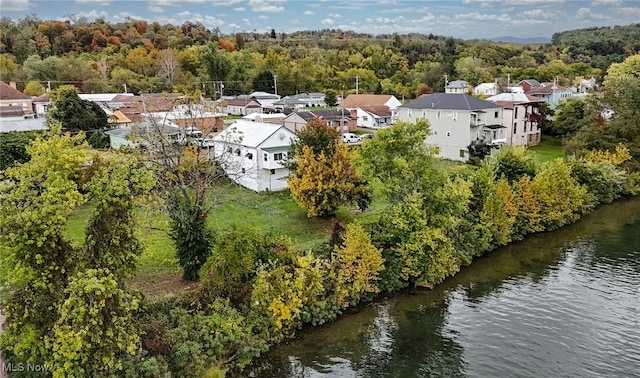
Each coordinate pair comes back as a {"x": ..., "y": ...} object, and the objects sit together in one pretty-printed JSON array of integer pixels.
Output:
[
  {"x": 521, "y": 116},
  {"x": 252, "y": 153},
  {"x": 456, "y": 120}
]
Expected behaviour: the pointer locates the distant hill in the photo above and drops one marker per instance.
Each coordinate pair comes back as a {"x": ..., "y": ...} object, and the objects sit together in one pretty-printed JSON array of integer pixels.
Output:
[
  {"x": 523, "y": 41},
  {"x": 601, "y": 46}
]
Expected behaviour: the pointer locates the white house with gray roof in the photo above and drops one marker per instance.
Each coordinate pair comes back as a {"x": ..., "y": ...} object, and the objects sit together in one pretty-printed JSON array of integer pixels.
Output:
[
  {"x": 457, "y": 86},
  {"x": 251, "y": 153},
  {"x": 456, "y": 120}
]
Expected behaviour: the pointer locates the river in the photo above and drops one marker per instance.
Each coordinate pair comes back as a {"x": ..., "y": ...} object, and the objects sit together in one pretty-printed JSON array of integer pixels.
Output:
[{"x": 558, "y": 304}]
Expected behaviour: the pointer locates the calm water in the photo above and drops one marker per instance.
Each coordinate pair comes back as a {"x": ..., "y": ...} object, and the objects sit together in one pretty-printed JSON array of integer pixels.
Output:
[{"x": 561, "y": 304}]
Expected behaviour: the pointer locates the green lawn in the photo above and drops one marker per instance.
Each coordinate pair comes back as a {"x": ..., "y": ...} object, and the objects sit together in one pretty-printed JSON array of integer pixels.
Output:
[
  {"x": 159, "y": 273},
  {"x": 548, "y": 149}
]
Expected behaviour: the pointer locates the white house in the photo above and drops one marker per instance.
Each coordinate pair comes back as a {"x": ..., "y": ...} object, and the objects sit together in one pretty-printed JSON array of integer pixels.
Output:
[
  {"x": 457, "y": 86},
  {"x": 373, "y": 117},
  {"x": 485, "y": 89},
  {"x": 275, "y": 118},
  {"x": 242, "y": 106},
  {"x": 371, "y": 101},
  {"x": 251, "y": 153},
  {"x": 521, "y": 116},
  {"x": 549, "y": 92},
  {"x": 456, "y": 120}
]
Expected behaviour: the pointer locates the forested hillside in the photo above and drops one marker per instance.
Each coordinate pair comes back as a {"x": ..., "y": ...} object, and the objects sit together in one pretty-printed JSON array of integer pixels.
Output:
[
  {"x": 599, "y": 47},
  {"x": 149, "y": 57}
]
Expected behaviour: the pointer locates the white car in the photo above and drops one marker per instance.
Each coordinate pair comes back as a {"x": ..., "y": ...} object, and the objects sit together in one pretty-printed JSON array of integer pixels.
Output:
[{"x": 351, "y": 138}]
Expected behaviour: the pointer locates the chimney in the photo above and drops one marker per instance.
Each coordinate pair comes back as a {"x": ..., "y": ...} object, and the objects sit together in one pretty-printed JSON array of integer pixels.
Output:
[{"x": 12, "y": 84}]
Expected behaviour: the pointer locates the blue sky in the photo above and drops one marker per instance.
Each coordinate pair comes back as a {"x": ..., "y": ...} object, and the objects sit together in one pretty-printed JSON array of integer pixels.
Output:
[{"x": 459, "y": 18}]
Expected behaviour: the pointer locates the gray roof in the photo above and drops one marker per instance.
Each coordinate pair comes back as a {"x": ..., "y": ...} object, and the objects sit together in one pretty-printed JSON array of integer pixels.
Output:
[
  {"x": 449, "y": 101},
  {"x": 458, "y": 84},
  {"x": 37, "y": 124}
]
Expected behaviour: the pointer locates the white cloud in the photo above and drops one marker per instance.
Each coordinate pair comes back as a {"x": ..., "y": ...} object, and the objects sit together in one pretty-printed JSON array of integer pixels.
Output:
[
  {"x": 585, "y": 14},
  {"x": 155, "y": 8},
  {"x": 629, "y": 11},
  {"x": 309, "y": 13},
  {"x": 234, "y": 26},
  {"x": 240, "y": 9},
  {"x": 246, "y": 21},
  {"x": 334, "y": 15},
  {"x": 93, "y": 14},
  {"x": 223, "y": 3},
  {"x": 475, "y": 16},
  {"x": 94, "y": 2},
  {"x": 125, "y": 15},
  {"x": 262, "y": 17},
  {"x": 529, "y": 3},
  {"x": 541, "y": 14},
  {"x": 606, "y": 3},
  {"x": 266, "y": 6},
  {"x": 14, "y": 5},
  {"x": 327, "y": 21},
  {"x": 159, "y": 5},
  {"x": 184, "y": 14}
]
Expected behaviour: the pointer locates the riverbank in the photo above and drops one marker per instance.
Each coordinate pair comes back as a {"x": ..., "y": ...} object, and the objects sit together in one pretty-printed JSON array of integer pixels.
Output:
[{"x": 553, "y": 304}]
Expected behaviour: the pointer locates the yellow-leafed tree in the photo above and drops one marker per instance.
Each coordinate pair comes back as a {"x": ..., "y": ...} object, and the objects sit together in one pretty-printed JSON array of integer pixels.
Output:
[{"x": 322, "y": 183}]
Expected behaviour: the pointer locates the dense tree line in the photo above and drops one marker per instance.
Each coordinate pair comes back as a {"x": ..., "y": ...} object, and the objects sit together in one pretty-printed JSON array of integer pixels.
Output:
[{"x": 148, "y": 57}]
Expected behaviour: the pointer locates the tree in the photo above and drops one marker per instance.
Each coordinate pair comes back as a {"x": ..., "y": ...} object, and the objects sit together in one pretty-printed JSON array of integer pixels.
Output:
[
  {"x": 214, "y": 62},
  {"x": 322, "y": 183},
  {"x": 34, "y": 88},
  {"x": 69, "y": 307},
  {"x": 331, "y": 98},
  {"x": 263, "y": 82},
  {"x": 13, "y": 148},
  {"x": 478, "y": 150},
  {"x": 74, "y": 113},
  {"x": 169, "y": 65},
  {"x": 273, "y": 34},
  {"x": 570, "y": 117}
]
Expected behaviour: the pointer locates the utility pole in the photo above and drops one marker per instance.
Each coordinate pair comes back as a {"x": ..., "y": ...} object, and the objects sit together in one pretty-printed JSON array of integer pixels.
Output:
[
  {"x": 125, "y": 87},
  {"x": 275, "y": 84},
  {"x": 357, "y": 77},
  {"x": 446, "y": 80}
]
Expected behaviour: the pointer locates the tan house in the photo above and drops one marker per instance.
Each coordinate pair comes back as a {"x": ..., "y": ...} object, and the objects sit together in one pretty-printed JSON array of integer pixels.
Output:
[
  {"x": 365, "y": 103},
  {"x": 14, "y": 104}
]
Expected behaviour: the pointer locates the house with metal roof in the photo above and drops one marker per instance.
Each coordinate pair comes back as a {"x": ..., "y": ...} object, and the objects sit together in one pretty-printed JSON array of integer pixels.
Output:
[
  {"x": 252, "y": 153},
  {"x": 456, "y": 120}
]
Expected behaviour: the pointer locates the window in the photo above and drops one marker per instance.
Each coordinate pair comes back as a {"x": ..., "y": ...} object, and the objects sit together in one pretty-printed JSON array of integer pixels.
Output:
[
  {"x": 461, "y": 153},
  {"x": 409, "y": 113},
  {"x": 249, "y": 155},
  {"x": 272, "y": 171},
  {"x": 365, "y": 118},
  {"x": 515, "y": 127},
  {"x": 448, "y": 134},
  {"x": 266, "y": 157},
  {"x": 229, "y": 149},
  {"x": 278, "y": 156},
  {"x": 496, "y": 114},
  {"x": 244, "y": 170},
  {"x": 515, "y": 112},
  {"x": 438, "y": 114},
  {"x": 424, "y": 113}
]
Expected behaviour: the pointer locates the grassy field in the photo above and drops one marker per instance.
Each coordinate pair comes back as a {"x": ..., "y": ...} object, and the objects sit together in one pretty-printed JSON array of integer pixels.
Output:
[
  {"x": 548, "y": 149},
  {"x": 159, "y": 273}
]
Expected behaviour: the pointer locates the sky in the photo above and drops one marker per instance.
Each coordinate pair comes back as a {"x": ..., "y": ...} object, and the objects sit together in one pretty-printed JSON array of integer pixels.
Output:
[{"x": 468, "y": 19}]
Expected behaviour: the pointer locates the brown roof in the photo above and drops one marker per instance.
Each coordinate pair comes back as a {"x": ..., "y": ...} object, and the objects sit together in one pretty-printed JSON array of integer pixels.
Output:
[
  {"x": 41, "y": 98},
  {"x": 241, "y": 101},
  {"x": 359, "y": 101},
  {"x": 206, "y": 124},
  {"x": 119, "y": 118},
  {"x": 380, "y": 110},
  {"x": 7, "y": 92},
  {"x": 546, "y": 90}
]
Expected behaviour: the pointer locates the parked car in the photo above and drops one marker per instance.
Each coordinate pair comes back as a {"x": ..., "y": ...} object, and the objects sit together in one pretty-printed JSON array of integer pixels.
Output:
[
  {"x": 351, "y": 138},
  {"x": 204, "y": 142},
  {"x": 366, "y": 136}
]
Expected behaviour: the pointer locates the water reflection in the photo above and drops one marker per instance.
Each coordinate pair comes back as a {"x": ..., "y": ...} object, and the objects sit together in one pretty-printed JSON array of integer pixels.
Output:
[{"x": 561, "y": 304}]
